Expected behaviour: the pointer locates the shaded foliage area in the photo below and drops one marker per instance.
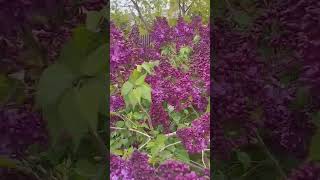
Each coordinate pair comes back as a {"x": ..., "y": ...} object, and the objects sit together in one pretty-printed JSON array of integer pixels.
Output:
[
  {"x": 53, "y": 94},
  {"x": 265, "y": 120}
]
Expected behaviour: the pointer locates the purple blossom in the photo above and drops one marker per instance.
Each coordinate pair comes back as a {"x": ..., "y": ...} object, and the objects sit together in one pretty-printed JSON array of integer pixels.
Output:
[{"x": 197, "y": 137}]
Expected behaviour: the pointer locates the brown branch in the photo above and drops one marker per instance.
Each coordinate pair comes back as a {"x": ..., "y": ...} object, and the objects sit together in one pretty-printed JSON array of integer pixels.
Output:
[
  {"x": 140, "y": 14},
  {"x": 180, "y": 7},
  {"x": 189, "y": 6}
]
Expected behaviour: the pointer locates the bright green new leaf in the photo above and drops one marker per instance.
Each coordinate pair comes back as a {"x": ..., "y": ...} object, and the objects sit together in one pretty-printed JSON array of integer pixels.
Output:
[
  {"x": 140, "y": 80},
  {"x": 145, "y": 91},
  {"x": 137, "y": 94},
  {"x": 147, "y": 67},
  {"x": 134, "y": 76},
  {"x": 126, "y": 88}
]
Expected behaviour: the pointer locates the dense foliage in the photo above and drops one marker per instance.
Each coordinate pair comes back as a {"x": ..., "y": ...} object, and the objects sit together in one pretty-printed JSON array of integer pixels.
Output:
[
  {"x": 45, "y": 82},
  {"x": 265, "y": 119},
  {"x": 160, "y": 102}
]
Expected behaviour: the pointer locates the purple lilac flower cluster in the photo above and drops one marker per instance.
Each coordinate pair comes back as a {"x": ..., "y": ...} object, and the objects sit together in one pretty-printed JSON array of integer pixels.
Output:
[
  {"x": 237, "y": 82},
  {"x": 20, "y": 127},
  {"x": 266, "y": 80},
  {"x": 170, "y": 85},
  {"x": 138, "y": 168},
  {"x": 307, "y": 171},
  {"x": 197, "y": 137},
  {"x": 124, "y": 55}
]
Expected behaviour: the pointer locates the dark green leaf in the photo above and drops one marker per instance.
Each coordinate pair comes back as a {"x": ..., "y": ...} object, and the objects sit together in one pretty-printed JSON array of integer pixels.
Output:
[
  {"x": 93, "y": 20},
  {"x": 79, "y": 47},
  {"x": 182, "y": 155},
  {"x": 96, "y": 61},
  {"x": 70, "y": 114},
  {"x": 314, "y": 153},
  {"x": 88, "y": 99},
  {"x": 53, "y": 82},
  {"x": 245, "y": 159}
]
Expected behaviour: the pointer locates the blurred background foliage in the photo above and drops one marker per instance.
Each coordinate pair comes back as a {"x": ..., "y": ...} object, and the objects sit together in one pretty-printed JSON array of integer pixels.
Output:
[{"x": 125, "y": 13}]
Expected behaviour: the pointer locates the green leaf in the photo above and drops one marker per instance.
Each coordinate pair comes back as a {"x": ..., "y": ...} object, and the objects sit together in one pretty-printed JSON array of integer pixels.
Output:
[
  {"x": 314, "y": 153},
  {"x": 126, "y": 88},
  {"x": 182, "y": 155},
  {"x": 53, "y": 82},
  {"x": 134, "y": 76},
  {"x": 96, "y": 61},
  {"x": 132, "y": 100},
  {"x": 147, "y": 67},
  {"x": 245, "y": 159},
  {"x": 137, "y": 93},
  {"x": 242, "y": 18},
  {"x": 185, "y": 51},
  {"x": 120, "y": 124},
  {"x": 93, "y": 20},
  {"x": 140, "y": 80},
  {"x": 71, "y": 116},
  {"x": 218, "y": 175},
  {"x": 137, "y": 115},
  {"x": 88, "y": 98},
  {"x": 316, "y": 119},
  {"x": 54, "y": 123},
  {"x": 176, "y": 117},
  {"x": 145, "y": 91},
  {"x": 4, "y": 87},
  {"x": 302, "y": 98},
  {"x": 79, "y": 47},
  {"x": 85, "y": 168}
]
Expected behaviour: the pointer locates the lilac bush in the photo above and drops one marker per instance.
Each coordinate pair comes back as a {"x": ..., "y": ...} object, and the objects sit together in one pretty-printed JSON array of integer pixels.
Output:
[{"x": 165, "y": 129}]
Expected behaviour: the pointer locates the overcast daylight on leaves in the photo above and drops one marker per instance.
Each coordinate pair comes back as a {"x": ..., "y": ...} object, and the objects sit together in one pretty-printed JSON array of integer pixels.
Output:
[{"x": 160, "y": 87}]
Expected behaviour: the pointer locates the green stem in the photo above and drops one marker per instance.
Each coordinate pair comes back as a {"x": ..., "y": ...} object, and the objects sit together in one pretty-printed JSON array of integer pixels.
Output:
[
  {"x": 202, "y": 158},
  {"x": 197, "y": 114},
  {"x": 123, "y": 118},
  {"x": 148, "y": 116},
  {"x": 269, "y": 154},
  {"x": 170, "y": 145},
  {"x": 102, "y": 146},
  {"x": 149, "y": 139},
  {"x": 130, "y": 129}
]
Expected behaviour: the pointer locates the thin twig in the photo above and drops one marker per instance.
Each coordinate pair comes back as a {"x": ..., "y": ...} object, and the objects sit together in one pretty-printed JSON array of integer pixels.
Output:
[
  {"x": 275, "y": 161},
  {"x": 202, "y": 157},
  {"x": 149, "y": 139},
  {"x": 197, "y": 114},
  {"x": 123, "y": 118},
  {"x": 149, "y": 118},
  {"x": 170, "y": 145},
  {"x": 171, "y": 134},
  {"x": 130, "y": 129}
]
